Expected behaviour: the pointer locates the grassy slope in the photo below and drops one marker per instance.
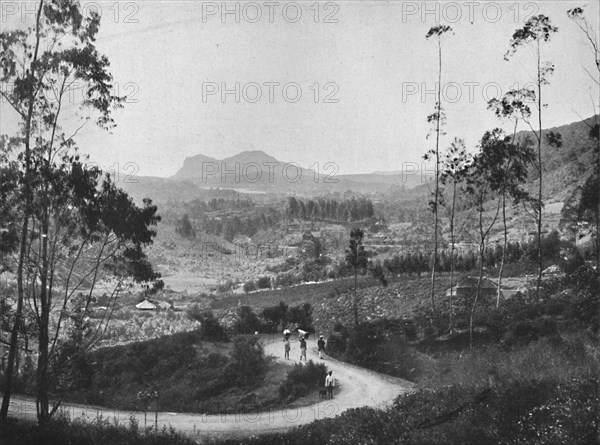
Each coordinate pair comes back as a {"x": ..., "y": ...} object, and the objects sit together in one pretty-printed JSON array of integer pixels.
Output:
[{"x": 190, "y": 374}]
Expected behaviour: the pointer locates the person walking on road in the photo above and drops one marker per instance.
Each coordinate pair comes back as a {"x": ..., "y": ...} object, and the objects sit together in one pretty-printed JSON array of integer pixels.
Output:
[
  {"x": 287, "y": 347},
  {"x": 329, "y": 384},
  {"x": 302, "y": 348},
  {"x": 321, "y": 346}
]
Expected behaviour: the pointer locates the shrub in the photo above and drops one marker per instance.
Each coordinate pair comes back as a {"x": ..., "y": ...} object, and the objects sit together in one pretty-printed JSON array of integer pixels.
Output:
[
  {"x": 376, "y": 345},
  {"x": 226, "y": 286},
  {"x": 302, "y": 315},
  {"x": 209, "y": 325},
  {"x": 275, "y": 315},
  {"x": 248, "y": 322},
  {"x": 82, "y": 431},
  {"x": 570, "y": 415},
  {"x": 264, "y": 282},
  {"x": 184, "y": 227},
  {"x": 284, "y": 279},
  {"x": 249, "y": 286},
  {"x": 301, "y": 379},
  {"x": 248, "y": 361}
]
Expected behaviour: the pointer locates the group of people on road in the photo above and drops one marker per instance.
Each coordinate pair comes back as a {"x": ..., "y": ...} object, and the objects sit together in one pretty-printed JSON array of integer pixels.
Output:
[{"x": 302, "y": 337}]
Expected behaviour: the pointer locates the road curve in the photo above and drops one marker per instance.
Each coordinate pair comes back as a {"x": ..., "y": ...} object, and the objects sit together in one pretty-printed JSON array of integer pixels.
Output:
[{"x": 356, "y": 387}]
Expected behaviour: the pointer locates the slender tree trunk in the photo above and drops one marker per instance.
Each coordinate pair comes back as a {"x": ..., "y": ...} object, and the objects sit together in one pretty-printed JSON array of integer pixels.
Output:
[
  {"x": 156, "y": 417},
  {"x": 504, "y": 246},
  {"x": 14, "y": 336},
  {"x": 355, "y": 303},
  {"x": 477, "y": 294},
  {"x": 540, "y": 171},
  {"x": 598, "y": 206},
  {"x": 24, "y": 230},
  {"x": 437, "y": 177},
  {"x": 43, "y": 336},
  {"x": 452, "y": 240},
  {"x": 478, "y": 291},
  {"x": 42, "y": 401}
]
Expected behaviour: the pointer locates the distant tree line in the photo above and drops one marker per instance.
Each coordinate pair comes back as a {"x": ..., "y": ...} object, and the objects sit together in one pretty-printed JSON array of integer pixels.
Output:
[
  {"x": 230, "y": 226},
  {"x": 226, "y": 217},
  {"x": 515, "y": 252},
  {"x": 320, "y": 208},
  {"x": 281, "y": 315},
  {"x": 199, "y": 207}
]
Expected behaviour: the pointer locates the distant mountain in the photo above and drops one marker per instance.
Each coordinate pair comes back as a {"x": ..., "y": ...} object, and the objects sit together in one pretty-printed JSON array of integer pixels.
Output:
[
  {"x": 193, "y": 165},
  {"x": 257, "y": 171},
  {"x": 246, "y": 165},
  {"x": 251, "y": 156},
  {"x": 565, "y": 169}
]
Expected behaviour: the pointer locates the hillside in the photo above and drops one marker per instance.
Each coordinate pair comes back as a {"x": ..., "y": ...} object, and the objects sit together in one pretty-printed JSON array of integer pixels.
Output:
[{"x": 567, "y": 166}]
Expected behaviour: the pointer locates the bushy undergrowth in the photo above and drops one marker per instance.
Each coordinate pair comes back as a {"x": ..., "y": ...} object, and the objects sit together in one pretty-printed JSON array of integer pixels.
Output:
[
  {"x": 189, "y": 373},
  {"x": 209, "y": 325},
  {"x": 567, "y": 304},
  {"x": 377, "y": 345},
  {"x": 562, "y": 359},
  {"x": 533, "y": 412},
  {"x": 131, "y": 326},
  {"x": 301, "y": 379},
  {"x": 61, "y": 431}
]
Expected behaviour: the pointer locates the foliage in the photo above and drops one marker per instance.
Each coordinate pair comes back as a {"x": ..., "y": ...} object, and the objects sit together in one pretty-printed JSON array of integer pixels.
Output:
[
  {"x": 574, "y": 356},
  {"x": 378, "y": 345},
  {"x": 248, "y": 322},
  {"x": 77, "y": 228},
  {"x": 302, "y": 379},
  {"x": 250, "y": 286},
  {"x": 209, "y": 325},
  {"x": 283, "y": 315},
  {"x": 457, "y": 414},
  {"x": 346, "y": 210},
  {"x": 248, "y": 361},
  {"x": 536, "y": 30},
  {"x": 356, "y": 260},
  {"x": 130, "y": 326},
  {"x": 275, "y": 315},
  {"x": 302, "y": 316},
  {"x": 264, "y": 282},
  {"x": 86, "y": 431},
  {"x": 189, "y": 373},
  {"x": 184, "y": 227},
  {"x": 232, "y": 217}
]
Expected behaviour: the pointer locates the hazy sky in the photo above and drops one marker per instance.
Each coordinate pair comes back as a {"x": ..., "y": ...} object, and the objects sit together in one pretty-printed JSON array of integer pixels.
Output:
[{"x": 360, "y": 66}]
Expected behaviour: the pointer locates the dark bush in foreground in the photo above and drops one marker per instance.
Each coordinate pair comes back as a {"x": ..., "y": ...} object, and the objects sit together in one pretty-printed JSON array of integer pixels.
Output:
[
  {"x": 248, "y": 322},
  {"x": 61, "y": 431},
  {"x": 210, "y": 328},
  {"x": 301, "y": 379},
  {"x": 248, "y": 361}
]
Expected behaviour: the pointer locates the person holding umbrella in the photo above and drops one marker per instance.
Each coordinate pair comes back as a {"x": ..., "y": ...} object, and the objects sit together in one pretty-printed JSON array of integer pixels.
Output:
[
  {"x": 286, "y": 344},
  {"x": 302, "y": 348}
]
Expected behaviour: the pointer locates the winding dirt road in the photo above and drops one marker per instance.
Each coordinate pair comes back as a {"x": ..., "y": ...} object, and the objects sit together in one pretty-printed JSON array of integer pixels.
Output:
[{"x": 356, "y": 387}]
